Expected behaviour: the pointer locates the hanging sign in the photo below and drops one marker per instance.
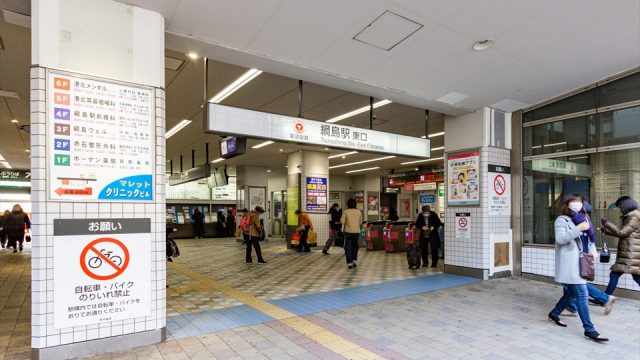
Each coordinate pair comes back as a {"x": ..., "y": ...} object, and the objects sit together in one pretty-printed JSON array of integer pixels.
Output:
[
  {"x": 317, "y": 194},
  {"x": 499, "y": 190},
  {"x": 228, "y": 120},
  {"x": 462, "y": 179},
  {"x": 100, "y": 140},
  {"x": 463, "y": 225},
  {"x": 101, "y": 270}
]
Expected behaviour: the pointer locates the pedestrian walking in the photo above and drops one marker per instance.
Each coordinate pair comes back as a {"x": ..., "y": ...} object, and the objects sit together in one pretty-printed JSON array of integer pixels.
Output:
[
  {"x": 335, "y": 227},
  {"x": 428, "y": 222},
  {"x": 628, "y": 234},
  {"x": 304, "y": 225},
  {"x": 255, "y": 231},
  {"x": 351, "y": 219},
  {"x": 567, "y": 250},
  {"x": 14, "y": 225},
  {"x": 3, "y": 232}
]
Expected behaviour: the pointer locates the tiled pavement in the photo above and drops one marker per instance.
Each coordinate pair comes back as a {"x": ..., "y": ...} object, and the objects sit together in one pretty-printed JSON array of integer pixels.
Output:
[{"x": 498, "y": 319}]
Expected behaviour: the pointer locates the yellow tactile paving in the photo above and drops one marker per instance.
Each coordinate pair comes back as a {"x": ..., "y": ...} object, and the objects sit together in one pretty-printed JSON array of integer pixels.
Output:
[{"x": 315, "y": 332}]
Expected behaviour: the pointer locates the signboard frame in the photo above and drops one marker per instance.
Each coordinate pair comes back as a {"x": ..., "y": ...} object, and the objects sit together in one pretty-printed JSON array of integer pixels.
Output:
[
  {"x": 317, "y": 206},
  {"x": 472, "y": 155},
  {"x": 49, "y": 120},
  {"x": 499, "y": 203}
]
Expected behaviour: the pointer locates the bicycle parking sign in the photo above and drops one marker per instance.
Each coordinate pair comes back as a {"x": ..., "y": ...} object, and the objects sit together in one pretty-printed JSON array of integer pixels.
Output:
[
  {"x": 104, "y": 258},
  {"x": 101, "y": 270}
]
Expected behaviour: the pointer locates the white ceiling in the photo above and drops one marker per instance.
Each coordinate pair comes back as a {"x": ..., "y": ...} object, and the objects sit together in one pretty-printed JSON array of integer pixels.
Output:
[{"x": 542, "y": 48}]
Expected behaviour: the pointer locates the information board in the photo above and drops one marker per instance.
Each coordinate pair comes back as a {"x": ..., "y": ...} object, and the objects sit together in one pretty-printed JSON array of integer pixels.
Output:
[
  {"x": 316, "y": 191},
  {"x": 462, "y": 179},
  {"x": 101, "y": 270},
  {"x": 100, "y": 140},
  {"x": 499, "y": 190}
]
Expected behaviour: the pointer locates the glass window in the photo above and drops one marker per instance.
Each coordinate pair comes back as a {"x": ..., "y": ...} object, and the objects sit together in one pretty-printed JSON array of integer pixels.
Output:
[
  {"x": 579, "y": 102},
  {"x": 620, "y": 91},
  {"x": 571, "y": 134},
  {"x": 601, "y": 178},
  {"x": 620, "y": 126}
]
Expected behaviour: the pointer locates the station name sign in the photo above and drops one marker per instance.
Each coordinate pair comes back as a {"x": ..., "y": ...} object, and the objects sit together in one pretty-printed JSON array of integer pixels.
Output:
[{"x": 226, "y": 120}]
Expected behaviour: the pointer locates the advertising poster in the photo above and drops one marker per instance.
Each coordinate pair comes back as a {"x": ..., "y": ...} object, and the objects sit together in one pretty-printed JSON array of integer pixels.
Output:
[
  {"x": 257, "y": 197},
  {"x": 373, "y": 204},
  {"x": 316, "y": 188},
  {"x": 463, "y": 225},
  {"x": 499, "y": 190},
  {"x": 100, "y": 140},
  {"x": 405, "y": 208},
  {"x": 293, "y": 204},
  {"x": 101, "y": 270},
  {"x": 463, "y": 179},
  {"x": 359, "y": 198}
]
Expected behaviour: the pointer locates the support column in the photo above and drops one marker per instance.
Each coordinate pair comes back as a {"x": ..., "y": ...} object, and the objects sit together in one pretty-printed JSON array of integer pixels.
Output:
[
  {"x": 308, "y": 190},
  {"x": 88, "y": 58},
  {"x": 478, "y": 240}
]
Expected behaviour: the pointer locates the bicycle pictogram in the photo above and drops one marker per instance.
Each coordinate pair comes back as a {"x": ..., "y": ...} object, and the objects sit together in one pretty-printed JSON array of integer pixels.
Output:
[
  {"x": 104, "y": 258},
  {"x": 96, "y": 261}
]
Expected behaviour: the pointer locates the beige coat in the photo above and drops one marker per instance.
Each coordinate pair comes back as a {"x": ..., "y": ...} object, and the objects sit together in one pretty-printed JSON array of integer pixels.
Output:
[
  {"x": 352, "y": 219},
  {"x": 628, "y": 257},
  {"x": 255, "y": 229}
]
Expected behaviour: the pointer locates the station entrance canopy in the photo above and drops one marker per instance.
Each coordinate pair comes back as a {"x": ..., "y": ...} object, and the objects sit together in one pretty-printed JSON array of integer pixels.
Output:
[{"x": 226, "y": 120}]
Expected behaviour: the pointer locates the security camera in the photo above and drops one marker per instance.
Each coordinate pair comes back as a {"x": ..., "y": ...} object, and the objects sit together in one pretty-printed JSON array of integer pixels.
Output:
[
  {"x": 374, "y": 117},
  {"x": 299, "y": 166}
]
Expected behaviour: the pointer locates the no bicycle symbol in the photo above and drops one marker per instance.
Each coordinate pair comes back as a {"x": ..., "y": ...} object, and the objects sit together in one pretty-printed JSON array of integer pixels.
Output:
[
  {"x": 499, "y": 185},
  {"x": 104, "y": 258},
  {"x": 462, "y": 222}
]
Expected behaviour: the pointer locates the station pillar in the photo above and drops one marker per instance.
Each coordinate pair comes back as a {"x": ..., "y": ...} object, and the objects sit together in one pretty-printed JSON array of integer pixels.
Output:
[
  {"x": 308, "y": 191},
  {"x": 478, "y": 235},
  {"x": 98, "y": 178}
]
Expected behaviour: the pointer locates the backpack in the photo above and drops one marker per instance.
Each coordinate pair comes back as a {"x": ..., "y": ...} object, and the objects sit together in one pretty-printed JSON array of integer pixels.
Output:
[{"x": 244, "y": 222}]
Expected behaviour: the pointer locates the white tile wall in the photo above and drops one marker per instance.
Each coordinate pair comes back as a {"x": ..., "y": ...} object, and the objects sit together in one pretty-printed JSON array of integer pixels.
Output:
[
  {"x": 541, "y": 261},
  {"x": 474, "y": 252},
  {"x": 44, "y": 211},
  {"x": 321, "y": 226}
]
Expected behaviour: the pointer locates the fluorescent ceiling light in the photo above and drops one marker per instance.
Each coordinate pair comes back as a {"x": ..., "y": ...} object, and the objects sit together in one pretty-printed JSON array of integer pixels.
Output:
[
  {"x": 343, "y": 154},
  {"x": 192, "y": 55},
  {"x": 556, "y": 144},
  {"x": 217, "y": 160},
  {"x": 438, "y": 148},
  {"x": 2, "y": 157},
  {"x": 420, "y": 161},
  {"x": 15, "y": 183},
  {"x": 362, "y": 162},
  {"x": 367, "y": 169},
  {"x": 436, "y": 134},
  {"x": 452, "y": 98},
  {"x": 177, "y": 128},
  {"x": 536, "y": 147},
  {"x": 262, "y": 144},
  {"x": 6, "y": 164},
  {"x": 236, "y": 85},
  {"x": 15, "y": 121},
  {"x": 358, "y": 111},
  {"x": 579, "y": 157}
]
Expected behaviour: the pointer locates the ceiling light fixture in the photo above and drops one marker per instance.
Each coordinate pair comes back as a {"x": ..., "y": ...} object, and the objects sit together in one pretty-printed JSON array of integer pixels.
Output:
[
  {"x": 217, "y": 160},
  {"x": 358, "y": 111},
  {"x": 262, "y": 144},
  {"x": 367, "y": 169},
  {"x": 15, "y": 121},
  {"x": 343, "y": 154},
  {"x": 362, "y": 162},
  {"x": 438, "y": 148},
  {"x": 177, "y": 128},
  {"x": 192, "y": 55},
  {"x": 27, "y": 150},
  {"x": 436, "y": 134},
  {"x": 281, "y": 150},
  {"x": 421, "y": 161},
  {"x": 6, "y": 164},
  {"x": 556, "y": 144},
  {"x": 483, "y": 44},
  {"x": 236, "y": 85}
]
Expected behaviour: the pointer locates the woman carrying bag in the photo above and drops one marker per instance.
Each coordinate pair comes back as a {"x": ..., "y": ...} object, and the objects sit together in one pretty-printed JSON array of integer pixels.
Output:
[
  {"x": 567, "y": 252},
  {"x": 351, "y": 219}
]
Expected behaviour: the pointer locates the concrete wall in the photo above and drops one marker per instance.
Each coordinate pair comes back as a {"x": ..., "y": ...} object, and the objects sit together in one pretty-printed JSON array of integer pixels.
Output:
[{"x": 466, "y": 131}]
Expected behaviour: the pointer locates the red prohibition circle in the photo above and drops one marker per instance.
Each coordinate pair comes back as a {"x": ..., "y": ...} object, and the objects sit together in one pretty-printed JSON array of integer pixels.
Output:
[
  {"x": 499, "y": 185},
  {"x": 462, "y": 222},
  {"x": 90, "y": 247}
]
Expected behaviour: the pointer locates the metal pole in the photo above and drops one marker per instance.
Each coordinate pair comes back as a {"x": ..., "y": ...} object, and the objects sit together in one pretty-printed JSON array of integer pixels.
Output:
[
  {"x": 206, "y": 153},
  {"x": 193, "y": 158},
  {"x": 170, "y": 167},
  {"x": 181, "y": 170},
  {"x": 371, "y": 112},
  {"x": 426, "y": 124},
  {"x": 205, "y": 94},
  {"x": 300, "y": 97}
]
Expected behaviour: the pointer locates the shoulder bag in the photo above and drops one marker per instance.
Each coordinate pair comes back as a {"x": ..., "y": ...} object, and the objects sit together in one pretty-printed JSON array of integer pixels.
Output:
[{"x": 587, "y": 268}]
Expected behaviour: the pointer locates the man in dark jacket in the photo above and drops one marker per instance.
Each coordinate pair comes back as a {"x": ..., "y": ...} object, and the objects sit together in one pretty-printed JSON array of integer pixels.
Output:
[
  {"x": 14, "y": 225},
  {"x": 428, "y": 222},
  {"x": 334, "y": 225},
  {"x": 3, "y": 232},
  {"x": 198, "y": 223}
]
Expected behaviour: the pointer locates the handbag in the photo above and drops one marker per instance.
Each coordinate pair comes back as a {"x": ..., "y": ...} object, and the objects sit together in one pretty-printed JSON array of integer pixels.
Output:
[
  {"x": 339, "y": 240},
  {"x": 312, "y": 238},
  {"x": 587, "y": 268},
  {"x": 295, "y": 240},
  {"x": 27, "y": 237},
  {"x": 605, "y": 255}
]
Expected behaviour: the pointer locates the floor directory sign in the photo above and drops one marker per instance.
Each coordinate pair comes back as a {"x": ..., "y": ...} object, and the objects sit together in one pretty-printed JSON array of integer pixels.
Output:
[
  {"x": 316, "y": 194},
  {"x": 462, "y": 179},
  {"x": 101, "y": 270},
  {"x": 100, "y": 140}
]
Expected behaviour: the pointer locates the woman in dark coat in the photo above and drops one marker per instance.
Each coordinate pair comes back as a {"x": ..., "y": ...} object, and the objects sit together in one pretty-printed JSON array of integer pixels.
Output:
[
  {"x": 14, "y": 226},
  {"x": 628, "y": 257},
  {"x": 198, "y": 223}
]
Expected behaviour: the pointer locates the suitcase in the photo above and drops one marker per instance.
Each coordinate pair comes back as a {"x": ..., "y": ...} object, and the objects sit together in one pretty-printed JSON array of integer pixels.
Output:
[{"x": 414, "y": 257}]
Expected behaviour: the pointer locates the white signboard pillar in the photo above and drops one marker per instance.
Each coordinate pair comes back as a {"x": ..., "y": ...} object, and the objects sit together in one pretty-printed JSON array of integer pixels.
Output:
[{"x": 98, "y": 177}]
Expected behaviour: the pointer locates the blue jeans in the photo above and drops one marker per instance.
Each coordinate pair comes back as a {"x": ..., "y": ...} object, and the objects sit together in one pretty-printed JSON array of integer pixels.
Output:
[
  {"x": 575, "y": 293},
  {"x": 613, "y": 281},
  {"x": 351, "y": 248},
  {"x": 600, "y": 297}
]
